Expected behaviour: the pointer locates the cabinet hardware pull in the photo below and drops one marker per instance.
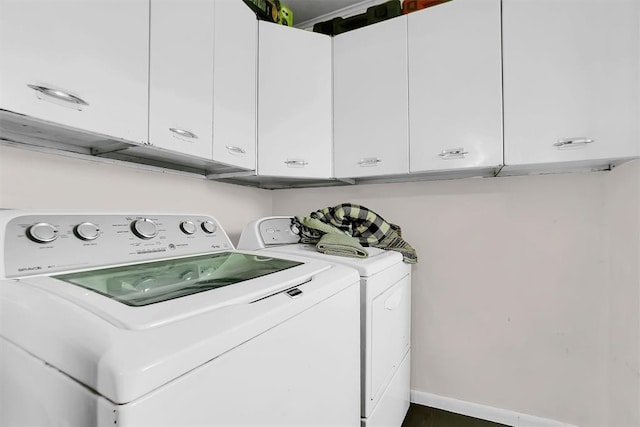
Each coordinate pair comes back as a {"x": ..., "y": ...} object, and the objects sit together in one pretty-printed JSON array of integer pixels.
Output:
[
  {"x": 295, "y": 163},
  {"x": 453, "y": 153},
  {"x": 573, "y": 142},
  {"x": 184, "y": 133},
  {"x": 235, "y": 150},
  {"x": 369, "y": 161},
  {"x": 59, "y": 94}
]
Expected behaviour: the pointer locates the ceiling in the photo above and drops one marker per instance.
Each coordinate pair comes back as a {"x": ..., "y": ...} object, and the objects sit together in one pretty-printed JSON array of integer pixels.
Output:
[{"x": 304, "y": 10}]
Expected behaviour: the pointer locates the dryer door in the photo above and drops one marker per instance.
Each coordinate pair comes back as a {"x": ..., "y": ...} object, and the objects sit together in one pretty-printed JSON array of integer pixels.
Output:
[{"x": 390, "y": 334}]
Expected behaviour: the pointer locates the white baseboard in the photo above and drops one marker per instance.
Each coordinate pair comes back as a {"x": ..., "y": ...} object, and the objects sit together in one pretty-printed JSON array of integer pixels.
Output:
[{"x": 484, "y": 412}]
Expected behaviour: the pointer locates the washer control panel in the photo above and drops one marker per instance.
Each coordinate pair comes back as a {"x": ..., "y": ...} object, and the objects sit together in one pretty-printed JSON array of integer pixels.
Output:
[
  {"x": 278, "y": 231},
  {"x": 51, "y": 243}
]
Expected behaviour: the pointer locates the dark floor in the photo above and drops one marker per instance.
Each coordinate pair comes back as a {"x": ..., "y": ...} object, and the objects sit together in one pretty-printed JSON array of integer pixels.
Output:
[{"x": 422, "y": 416}]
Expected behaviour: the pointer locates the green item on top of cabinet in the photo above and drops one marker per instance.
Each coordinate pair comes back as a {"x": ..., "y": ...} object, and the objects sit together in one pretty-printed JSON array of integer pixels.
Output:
[
  {"x": 272, "y": 11},
  {"x": 285, "y": 15}
]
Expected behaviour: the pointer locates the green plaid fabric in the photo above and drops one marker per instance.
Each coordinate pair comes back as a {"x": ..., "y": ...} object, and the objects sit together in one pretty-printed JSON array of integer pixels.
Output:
[{"x": 359, "y": 222}]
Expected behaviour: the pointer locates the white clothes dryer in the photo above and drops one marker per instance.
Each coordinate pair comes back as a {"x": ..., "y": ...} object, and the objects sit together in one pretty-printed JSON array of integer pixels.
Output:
[
  {"x": 385, "y": 297},
  {"x": 155, "y": 320}
]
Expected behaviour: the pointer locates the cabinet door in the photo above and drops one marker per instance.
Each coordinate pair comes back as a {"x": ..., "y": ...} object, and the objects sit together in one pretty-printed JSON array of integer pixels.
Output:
[
  {"x": 294, "y": 102},
  {"x": 79, "y": 63},
  {"x": 455, "y": 86},
  {"x": 235, "y": 84},
  {"x": 570, "y": 80},
  {"x": 181, "y": 76},
  {"x": 370, "y": 100}
]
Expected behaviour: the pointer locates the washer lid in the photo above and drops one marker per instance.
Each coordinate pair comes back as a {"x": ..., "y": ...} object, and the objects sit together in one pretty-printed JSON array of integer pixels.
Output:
[
  {"x": 150, "y": 283},
  {"x": 377, "y": 260},
  {"x": 138, "y": 296}
]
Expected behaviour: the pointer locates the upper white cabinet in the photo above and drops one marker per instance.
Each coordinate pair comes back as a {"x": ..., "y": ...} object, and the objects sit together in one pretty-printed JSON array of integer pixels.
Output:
[
  {"x": 455, "y": 86},
  {"x": 294, "y": 103},
  {"x": 79, "y": 63},
  {"x": 203, "y": 79},
  {"x": 181, "y": 76},
  {"x": 370, "y": 100},
  {"x": 235, "y": 84},
  {"x": 570, "y": 80}
]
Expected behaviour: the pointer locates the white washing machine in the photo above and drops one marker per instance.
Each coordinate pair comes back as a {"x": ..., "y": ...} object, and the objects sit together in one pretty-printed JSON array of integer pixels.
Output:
[
  {"x": 385, "y": 293},
  {"x": 155, "y": 320}
]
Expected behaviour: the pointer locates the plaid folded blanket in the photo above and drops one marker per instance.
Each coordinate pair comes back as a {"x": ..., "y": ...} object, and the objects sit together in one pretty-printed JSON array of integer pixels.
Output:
[{"x": 357, "y": 221}]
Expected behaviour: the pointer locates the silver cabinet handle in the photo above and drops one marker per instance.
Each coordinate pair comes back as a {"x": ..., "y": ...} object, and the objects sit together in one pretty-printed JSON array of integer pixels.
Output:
[
  {"x": 453, "y": 153},
  {"x": 573, "y": 142},
  {"x": 369, "y": 161},
  {"x": 235, "y": 150},
  {"x": 295, "y": 163},
  {"x": 59, "y": 94},
  {"x": 184, "y": 133}
]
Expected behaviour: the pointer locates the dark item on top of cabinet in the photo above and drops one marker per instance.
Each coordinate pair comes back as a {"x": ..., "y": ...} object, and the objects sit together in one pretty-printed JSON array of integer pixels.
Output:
[
  {"x": 271, "y": 11},
  {"x": 262, "y": 9},
  {"x": 341, "y": 25},
  {"x": 374, "y": 14},
  {"x": 325, "y": 27},
  {"x": 409, "y": 6},
  {"x": 383, "y": 11}
]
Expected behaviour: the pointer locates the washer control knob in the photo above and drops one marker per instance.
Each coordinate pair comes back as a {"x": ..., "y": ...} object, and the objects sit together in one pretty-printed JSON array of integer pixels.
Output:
[
  {"x": 144, "y": 228},
  {"x": 42, "y": 232},
  {"x": 209, "y": 227},
  {"x": 86, "y": 231},
  {"x": 294, "y": 229},
  {"x": 188, "y": 227}
]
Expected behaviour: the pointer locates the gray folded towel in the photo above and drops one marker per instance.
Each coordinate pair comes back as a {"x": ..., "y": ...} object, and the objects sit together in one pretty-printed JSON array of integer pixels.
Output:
[{"x": 341, "y": 245}]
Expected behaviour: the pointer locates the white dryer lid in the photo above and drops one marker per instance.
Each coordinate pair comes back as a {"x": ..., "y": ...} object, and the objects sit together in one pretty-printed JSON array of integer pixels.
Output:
[
  {"x": 279, "y": 234},
  {"x": 123, "y": 352},
  {"x": 377, "y": 261}
]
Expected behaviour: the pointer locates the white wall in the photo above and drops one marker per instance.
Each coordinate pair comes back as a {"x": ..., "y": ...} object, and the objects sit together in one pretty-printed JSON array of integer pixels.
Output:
[
  {"x": 513, "y": 296},
  {"x": 33, "y": 180},
  {"x": 623, "y": 249},
  {"x": 526, "y": 296}
]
